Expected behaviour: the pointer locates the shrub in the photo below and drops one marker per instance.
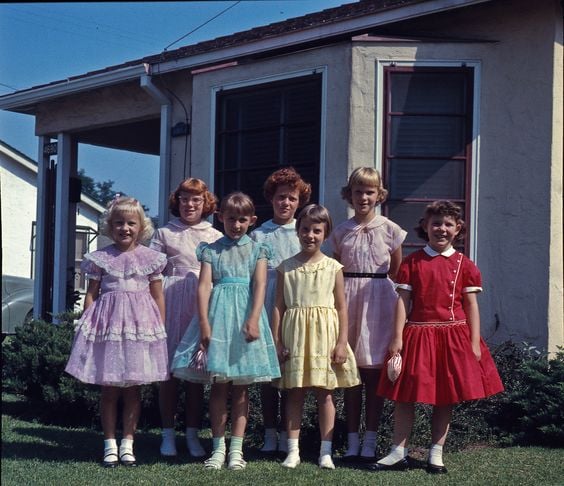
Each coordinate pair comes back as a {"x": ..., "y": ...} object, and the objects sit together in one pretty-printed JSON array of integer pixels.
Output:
[{"x": 531, "y": 412}]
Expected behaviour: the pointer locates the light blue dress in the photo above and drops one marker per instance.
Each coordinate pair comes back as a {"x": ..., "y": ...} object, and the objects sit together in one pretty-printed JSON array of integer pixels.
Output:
[
  {"x": 284, "y": 242},
  {"x": 230, "y": 357}
]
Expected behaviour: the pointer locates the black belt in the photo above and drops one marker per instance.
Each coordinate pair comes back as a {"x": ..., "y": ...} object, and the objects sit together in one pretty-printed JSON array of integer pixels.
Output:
[{"x": 365, "y": 275}]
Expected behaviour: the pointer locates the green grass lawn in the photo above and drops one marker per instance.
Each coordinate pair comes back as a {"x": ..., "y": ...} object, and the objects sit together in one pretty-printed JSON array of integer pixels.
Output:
[{"x": 38, "y": 454}]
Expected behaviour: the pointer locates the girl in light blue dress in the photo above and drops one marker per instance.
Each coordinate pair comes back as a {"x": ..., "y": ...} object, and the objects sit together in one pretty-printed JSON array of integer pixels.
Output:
[
  {"x": 286, "y": 191},
  {"x": 231, "y": 327}
]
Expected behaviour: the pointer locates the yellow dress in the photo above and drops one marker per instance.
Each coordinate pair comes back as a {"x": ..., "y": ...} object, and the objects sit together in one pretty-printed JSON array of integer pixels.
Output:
[{"x": 310, "y": 327}]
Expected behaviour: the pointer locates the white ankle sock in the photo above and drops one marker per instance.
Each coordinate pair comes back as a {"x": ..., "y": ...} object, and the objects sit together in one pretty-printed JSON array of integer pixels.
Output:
[
  {"x": 325, "y": 449},
  {"x": 369, "y": 443},
  {"x": 193, "y": 442},
  {"x": 110, "y": 445},
  {"x": 293, "y": 457},
  {"x": 396, "y": 454},
  {"x": 436, "y": 455},
  {"x": 353, "y": 444}
]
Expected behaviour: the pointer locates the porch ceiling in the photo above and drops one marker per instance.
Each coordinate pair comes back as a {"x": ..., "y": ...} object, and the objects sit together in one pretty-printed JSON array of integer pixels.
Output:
[{"x": 139, "y": 136}]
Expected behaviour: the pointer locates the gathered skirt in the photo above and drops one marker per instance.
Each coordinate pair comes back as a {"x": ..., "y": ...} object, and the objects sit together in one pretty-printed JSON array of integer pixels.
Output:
[
  {"x": 310, "y": 334},
  {"x": 439, "y": 367},
  {"x": 230, "y": 358},
  {"x": 120, "y": 340}
]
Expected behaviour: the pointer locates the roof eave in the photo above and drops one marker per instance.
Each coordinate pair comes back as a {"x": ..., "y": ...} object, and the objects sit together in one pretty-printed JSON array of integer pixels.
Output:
[{"x": 24, "y": 101}]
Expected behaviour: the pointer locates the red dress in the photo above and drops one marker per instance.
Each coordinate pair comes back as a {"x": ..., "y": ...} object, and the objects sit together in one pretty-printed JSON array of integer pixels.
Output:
[{"x": 438, "y": 365}]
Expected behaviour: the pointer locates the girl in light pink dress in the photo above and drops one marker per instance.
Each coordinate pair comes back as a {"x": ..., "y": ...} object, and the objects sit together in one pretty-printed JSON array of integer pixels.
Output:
[
  {"x": 369, "y": 247},
  {"x": 120, "y": 341},
  {"x": 191, "y": 202}
]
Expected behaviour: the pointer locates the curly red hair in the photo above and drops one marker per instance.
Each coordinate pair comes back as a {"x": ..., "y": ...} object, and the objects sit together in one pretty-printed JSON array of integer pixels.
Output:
[
  {"x": 287, "y": 176},
  {"x": 197, "y": 187}
]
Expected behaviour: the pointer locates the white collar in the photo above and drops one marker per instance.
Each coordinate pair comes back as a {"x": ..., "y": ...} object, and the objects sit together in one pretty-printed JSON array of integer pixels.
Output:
[{"x": 432, "y": 253}]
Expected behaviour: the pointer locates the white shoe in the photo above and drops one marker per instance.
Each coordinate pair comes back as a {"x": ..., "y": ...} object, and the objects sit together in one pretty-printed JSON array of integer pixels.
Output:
[
  {"x": 325, "y": 462},
  {"x": 292, "y": 461}
]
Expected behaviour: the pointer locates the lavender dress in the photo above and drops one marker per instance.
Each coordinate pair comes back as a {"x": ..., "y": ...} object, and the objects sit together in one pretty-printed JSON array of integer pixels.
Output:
[
  {"x": 179, "y": 241},
  {"x": 120, "y": 339}
]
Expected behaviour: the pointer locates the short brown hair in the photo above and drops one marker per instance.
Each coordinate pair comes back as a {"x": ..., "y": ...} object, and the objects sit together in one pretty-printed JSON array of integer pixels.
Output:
[
  {"x": 441, "y": 208},
  {"x": 287, "y": 176},
  {"x": 195, "y": 186},
  {"x": 239, "y": 203},
  {"x": 317, "y": 214}
]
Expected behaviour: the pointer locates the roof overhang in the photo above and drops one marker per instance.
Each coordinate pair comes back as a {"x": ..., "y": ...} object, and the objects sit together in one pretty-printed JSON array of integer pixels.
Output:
[{"x": 25, "y": 100}]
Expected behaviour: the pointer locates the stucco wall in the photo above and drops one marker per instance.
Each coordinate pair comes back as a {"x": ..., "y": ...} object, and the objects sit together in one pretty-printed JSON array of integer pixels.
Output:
[
  {"x": 517, "y": 157},
  {"x": 336, "y": 62}
]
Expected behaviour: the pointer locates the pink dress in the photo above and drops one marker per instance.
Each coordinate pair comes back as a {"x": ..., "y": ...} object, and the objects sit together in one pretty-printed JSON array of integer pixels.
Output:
[
  {"x": 120, "y": 339},
  {"x": 367, "y": 249},
  {"x": 438, "y": 365},
  {"x": 179, "y": 241}
]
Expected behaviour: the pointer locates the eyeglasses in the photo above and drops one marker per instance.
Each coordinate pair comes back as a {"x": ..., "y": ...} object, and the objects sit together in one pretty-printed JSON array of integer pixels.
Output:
[{"x": 195, "y": 200}]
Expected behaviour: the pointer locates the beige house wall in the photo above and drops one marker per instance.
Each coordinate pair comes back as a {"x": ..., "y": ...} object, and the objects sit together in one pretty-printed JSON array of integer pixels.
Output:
[{"x": 518, "y": 234}]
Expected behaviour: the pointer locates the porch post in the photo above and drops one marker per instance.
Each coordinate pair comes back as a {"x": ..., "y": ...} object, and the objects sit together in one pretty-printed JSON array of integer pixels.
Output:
[
  {"x": 63, "y": 267},
  {"x": 41, "y": 275}
]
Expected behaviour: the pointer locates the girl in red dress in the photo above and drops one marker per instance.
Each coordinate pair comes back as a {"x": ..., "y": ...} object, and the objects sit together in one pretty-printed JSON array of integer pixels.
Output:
[{"x": 437, "y": 332}]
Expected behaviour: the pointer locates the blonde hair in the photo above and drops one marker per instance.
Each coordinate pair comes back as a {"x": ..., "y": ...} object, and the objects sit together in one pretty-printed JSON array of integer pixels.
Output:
[
  {"x": 316, "y": 214},
  {"x": 122, "y": 204},
  {"x": 364, "y": 176},
  {"x": 238, "y": 203}
]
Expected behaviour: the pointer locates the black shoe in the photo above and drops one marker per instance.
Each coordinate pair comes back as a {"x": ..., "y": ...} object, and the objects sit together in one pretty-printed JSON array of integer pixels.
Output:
[
  {"x": 433, "y": 469},
  {"x": 110, "y": 460},
  {"x": 349, "y": 459},
  {"x": 401, "y": 465}
]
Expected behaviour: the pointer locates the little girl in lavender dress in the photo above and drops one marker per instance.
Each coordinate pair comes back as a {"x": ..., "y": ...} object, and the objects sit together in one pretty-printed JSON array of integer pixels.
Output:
[
  {"x": 120, "y": 341},
  {"x": 191, "y": 202}
]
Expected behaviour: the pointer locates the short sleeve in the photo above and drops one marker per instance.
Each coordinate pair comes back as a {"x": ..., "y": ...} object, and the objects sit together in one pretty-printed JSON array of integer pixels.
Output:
[
  {"x": 90, "y": 269},
  {"x": 203, "y": 252},
  {"x": 265, "y": 251},
  {"x": 157, "y": 242},
  {"x": 398, "y": 235},
  {"x": 472, "y": 277},
  {"x": 403, "y": 279}
]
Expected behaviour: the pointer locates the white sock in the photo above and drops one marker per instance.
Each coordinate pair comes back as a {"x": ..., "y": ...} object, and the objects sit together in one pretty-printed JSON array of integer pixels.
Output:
[
  {"x": 396, "y": 454},
  {"x": 325, "y": 449},
  {"x": 283, "y": 441},
  {"x": 110, "y": 445},
  {"x": 436, "y": 455},
  {"x": 270, "y": 440},
  {"x": 293, "y": 457},
  {"x": 193, "y": 442},
  {"x": 369, "y": 443},
  {"x": 353, "y": 444}
]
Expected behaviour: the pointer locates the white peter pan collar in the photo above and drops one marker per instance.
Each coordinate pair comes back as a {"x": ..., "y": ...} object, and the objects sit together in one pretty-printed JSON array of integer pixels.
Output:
[{"x": 432, "y": 253}]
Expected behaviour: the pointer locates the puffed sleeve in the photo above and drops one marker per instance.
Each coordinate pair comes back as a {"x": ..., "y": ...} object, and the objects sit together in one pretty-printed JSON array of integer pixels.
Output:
[
  {"x": 472, "y": 278},
  {"x": 203, "y": 252},
  {"x": 157, "y": 242},
  {"x": 90, "y": 269},
  {"x": 398, "y": 235},
  {"x": 265, "y": 251},
  {"x": 158, "y": 267}
]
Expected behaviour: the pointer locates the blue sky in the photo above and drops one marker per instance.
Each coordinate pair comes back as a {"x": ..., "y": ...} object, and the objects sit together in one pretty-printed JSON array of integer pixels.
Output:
[{"x": 45, "y": 42}]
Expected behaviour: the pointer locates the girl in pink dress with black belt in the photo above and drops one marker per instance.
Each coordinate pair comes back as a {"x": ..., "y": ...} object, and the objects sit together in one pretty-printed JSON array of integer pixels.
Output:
[
  {"x": 437, "y": 331},
  {"x": 369, "y": 247}
]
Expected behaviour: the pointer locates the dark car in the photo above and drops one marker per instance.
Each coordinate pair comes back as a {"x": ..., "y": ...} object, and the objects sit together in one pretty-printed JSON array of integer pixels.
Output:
[{"x": 17, "y": 302}]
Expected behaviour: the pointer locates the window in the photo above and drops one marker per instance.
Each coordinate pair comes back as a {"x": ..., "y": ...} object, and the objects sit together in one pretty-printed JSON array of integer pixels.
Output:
[
  {"x": 427, "y": 142},
  {"x": 265, "y": 127}
]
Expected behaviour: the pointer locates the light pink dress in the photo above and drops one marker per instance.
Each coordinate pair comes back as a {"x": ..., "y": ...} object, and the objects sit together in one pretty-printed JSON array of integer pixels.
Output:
[
  {"x": 179, "y": 241},
  {"x": 120, "y": 339},
  {"x": 367, "y": 248}
]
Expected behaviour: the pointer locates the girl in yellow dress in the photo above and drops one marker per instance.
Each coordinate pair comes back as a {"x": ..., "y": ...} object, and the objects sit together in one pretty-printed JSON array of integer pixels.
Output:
[{"x": 309, "y": 324}]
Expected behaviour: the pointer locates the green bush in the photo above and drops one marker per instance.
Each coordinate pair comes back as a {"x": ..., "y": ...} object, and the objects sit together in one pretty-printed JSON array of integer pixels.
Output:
[{"x": 531, "y": 411}]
